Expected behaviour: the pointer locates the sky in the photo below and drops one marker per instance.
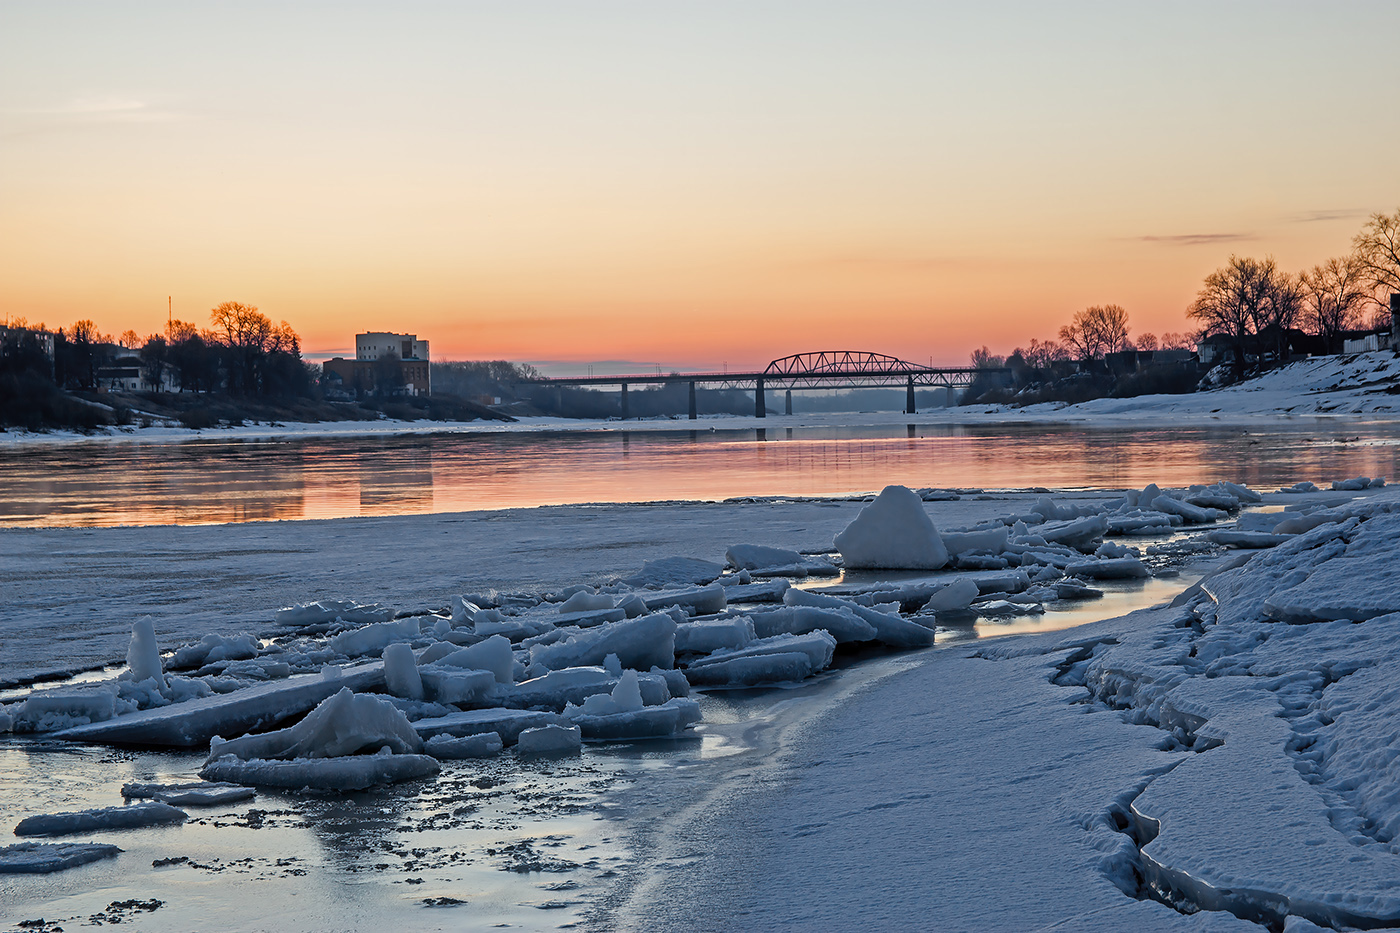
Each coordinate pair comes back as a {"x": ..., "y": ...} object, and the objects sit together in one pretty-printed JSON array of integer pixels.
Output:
[{"x": 684, "y": 185}]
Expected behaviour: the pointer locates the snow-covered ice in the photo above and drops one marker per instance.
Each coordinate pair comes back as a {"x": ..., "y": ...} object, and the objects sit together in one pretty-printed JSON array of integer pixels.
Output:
[
  {"x": 134, "y": 816},
  {"x": 892, "y": 533},
  {"x": 36, "y": 858}
]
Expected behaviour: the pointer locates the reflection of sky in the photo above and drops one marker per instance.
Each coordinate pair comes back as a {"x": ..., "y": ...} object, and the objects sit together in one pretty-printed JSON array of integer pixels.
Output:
[
  {"x": 215, "y": 482},
  {"x": 690, "y": 184}
]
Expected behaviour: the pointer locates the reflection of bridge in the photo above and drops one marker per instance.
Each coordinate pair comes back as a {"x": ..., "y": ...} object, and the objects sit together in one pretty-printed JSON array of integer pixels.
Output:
[{"x": 824, "y": 370}]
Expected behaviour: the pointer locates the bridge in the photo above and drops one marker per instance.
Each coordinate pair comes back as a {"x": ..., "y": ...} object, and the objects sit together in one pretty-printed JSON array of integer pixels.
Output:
[{"x": 824, "y": 369}]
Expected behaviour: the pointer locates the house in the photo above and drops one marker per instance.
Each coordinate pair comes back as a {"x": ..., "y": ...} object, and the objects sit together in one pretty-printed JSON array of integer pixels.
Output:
[
  {"x": 1363, "y": 341},
  {"x": 1215, "y": 349}
]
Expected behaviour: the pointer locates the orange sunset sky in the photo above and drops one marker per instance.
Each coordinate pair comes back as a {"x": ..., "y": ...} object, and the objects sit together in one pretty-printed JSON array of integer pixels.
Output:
[{"x": 687, "y": 185}]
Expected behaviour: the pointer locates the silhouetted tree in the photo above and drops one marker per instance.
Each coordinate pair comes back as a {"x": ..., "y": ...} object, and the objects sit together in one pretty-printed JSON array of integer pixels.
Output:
[
  {"x": 1333, "y": 295},
  {"x": 1376, "y": 250},
  {"x": 1243, "y": 297}
]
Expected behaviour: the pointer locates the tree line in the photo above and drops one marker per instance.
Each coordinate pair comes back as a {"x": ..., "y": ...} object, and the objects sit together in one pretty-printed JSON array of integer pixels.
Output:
[
  {"x": 1256, "y": 305},
  {"x": 243, "y": 353}
]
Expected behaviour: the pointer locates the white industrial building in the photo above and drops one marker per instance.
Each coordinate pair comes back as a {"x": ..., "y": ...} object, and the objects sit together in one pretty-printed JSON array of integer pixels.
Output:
[{"x": 404, "y": 346}]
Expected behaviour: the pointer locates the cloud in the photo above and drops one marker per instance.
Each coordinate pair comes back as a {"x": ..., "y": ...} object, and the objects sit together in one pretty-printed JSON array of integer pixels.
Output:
[
  {"x": 84, "y": 112},
  {"x": 1308, "y": 217},
  {"x": 1197, "y": 239}
]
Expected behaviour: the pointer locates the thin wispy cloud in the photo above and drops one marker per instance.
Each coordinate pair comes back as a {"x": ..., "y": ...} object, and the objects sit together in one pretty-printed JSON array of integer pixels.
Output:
[
  {"x": 1196, "y": 239},
  {"x": 1309, "y": 217},
  {"x": 83, "y": 112}
]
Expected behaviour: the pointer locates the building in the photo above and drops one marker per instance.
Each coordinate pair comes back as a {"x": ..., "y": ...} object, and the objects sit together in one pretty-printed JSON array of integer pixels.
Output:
[
  {"x": 405, "y": 346},
  {"x": 384, "y": 364}
]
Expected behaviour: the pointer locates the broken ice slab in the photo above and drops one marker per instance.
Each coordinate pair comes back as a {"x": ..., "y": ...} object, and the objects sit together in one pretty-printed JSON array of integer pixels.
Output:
[
  {"x": 135, "y": 816},
  {"x": 506, "y": 723},
  {"x": 639, "y": 643},
  {"x": 840, "y": 622},
  {"x": 891, "y": 629},
  {"x": 193, "y": 723},
  {"x": 191, "y": 794},
  {"x": 769, "y": 591},
  {"x": 351, "y": 772},
  {"x": 449, "y": 748},
  {"x": 550, "y": 740},
  {"x": 557, "y": 689},
  {"x": 753, "y": 670},
  {"x": 36, "y": 858},
  {"x": 649, "y": 722},
  {"x": 704, "y": 637},
  {"x": 328, "y": 610},
  {"x": 1246, "y": 539},
  {"x": 696, "y": 601},
  {"x": 1112, "y": 568},
  {"x": 344, "y": 724}
]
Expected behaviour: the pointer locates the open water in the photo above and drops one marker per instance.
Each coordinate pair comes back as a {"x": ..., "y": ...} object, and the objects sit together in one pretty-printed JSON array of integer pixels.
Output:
[{"x": 217, "y": 480}]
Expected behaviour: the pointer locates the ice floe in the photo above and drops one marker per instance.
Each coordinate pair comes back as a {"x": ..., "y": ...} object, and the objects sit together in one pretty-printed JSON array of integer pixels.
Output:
[
  {"x": 34, "y": 858},
  {"x": 134, "y": 816}
]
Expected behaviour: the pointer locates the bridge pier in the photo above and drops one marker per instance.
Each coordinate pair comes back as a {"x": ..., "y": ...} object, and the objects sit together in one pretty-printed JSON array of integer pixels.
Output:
[
  {"x": 787, "y": 403},
  {"x": 760, "y": 405},
  {"x": 692, "y": 400},
  {"x": 624, "y": 401},
  {"x": 909, "y": 398}
]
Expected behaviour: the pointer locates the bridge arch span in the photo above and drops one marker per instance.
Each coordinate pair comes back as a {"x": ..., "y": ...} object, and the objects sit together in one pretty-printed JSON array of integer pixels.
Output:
[{"x": 845, "y": 362}]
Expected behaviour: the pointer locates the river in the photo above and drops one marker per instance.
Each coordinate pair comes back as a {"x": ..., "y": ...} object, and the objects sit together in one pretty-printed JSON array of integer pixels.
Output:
[{"x": 215, "y": 481}]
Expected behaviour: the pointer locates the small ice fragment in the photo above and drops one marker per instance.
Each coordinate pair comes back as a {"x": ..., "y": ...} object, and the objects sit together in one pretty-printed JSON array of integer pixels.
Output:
[
  {"x": 142, "y": 655},
  {"x": 445, "y": 747}
]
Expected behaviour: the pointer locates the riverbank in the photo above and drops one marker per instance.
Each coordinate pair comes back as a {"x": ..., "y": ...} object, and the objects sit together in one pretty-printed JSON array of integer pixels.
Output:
[
  {"x": 1324, "y": 390},
  {"x": 981, "y": 784}
]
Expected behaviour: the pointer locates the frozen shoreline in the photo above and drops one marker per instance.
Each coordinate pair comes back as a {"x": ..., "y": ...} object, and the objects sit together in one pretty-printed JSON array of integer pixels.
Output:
[
  {"x": 1074, "y": 778},
  {"x": 1320, "y": 390}
]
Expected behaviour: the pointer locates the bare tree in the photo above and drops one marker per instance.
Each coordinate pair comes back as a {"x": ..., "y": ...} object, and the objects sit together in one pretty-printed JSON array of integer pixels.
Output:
[
  {"x": 1095, "y": 331},
  {"x": 1175, "y": 341},
  {"x": 1333, "y": 294},
  {"x": 982, "y": 358},
  {"x": 1238, "y": 300},
  {"x": 1146, "y": 342},
  {"x": 1376, "y": 250}
]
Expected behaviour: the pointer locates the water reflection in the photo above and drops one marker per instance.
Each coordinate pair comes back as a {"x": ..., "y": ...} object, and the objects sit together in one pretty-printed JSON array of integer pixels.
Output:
[{"x": 210, "y": 481}]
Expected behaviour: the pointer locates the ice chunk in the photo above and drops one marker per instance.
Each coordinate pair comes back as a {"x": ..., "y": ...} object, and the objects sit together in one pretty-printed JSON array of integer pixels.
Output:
[
  {"x": 353, "y": 772},
  {"x": 769, "y": 591},
  {"x": 638, "y": 643},
  {"x": 816, "y": 647},
  {"x": 1300, "y": 487},
  {"x": 1245, "y": 539},
  {"x": 990, "y": 540},
  {"x": 494, "y": 655},
  {"x": 699, "y": 601},
  {"x": 958, "y": 594},
  {"x": 88, "y": 821},
  {"x": 445, "y": 747},
  {"x": 142, "y": 655},
  {"x": 36, "y": 858},
  {"x": 1352, "y": 485},
  {"x": 446, "y": 683},
  {"x": 761, "y": 560},
  {"x": 213, "y": 648},
  {"x": 372, "y": 639},
  {"x": 195, "y": 722},
  {"x": 549, "y": 740},
  {"x": 506, "y": 723},
  {"x": 401, "y": 672},
  {"x": 1113, "y": 568},
  {"x": 1194, "y": 515},
  {"x": 50, "y": 710},
  {"x": 894, "y": 532},
  {"x": 840, "y": 621},
  {"x": 1082, "y": 534},
  {"x": 893, "y": 630},
  {"x": 651, "y": 722},
  {"x": 191, "y": 794},
  {"x": 328, "y": 610},
  {"x": 344, "y": 724},
  {"x": 704, "y": 637},
  {"x": 584, "y": 601},
  {"x": 627, "y": 695},
  {"x": 675, "y": 571},
  {"x": 779, "y": 667}
]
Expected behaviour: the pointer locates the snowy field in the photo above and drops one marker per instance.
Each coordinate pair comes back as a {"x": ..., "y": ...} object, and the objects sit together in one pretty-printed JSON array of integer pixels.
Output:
[
  {"x": 804, "y": 723},
  {"x": 1333, "y": 387}
]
